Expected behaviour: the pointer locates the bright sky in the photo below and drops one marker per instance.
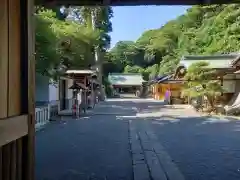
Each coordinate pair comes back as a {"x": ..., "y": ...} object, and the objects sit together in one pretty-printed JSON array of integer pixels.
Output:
[{"x": 130, "y": 22}]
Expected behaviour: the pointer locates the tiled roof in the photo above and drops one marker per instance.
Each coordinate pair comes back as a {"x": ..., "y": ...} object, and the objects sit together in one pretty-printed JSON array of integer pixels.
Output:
[
  {"x": 160, "y": 77},
  {"x": 215, "y": 61},
  {"x": 156, "y": 79},
  {"x": 237, "y": 72},
  {"x": 125, "y": 79},
  {"x": 165, "y": 78},
  {"x": 86, "y": 71}
]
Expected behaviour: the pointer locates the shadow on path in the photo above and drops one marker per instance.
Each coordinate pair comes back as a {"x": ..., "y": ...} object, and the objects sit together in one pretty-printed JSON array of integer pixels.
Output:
[
  {"x": 91, "y": 147},
  {"x": 97, "y": 146},
  {"x": 202, "y": 147}
]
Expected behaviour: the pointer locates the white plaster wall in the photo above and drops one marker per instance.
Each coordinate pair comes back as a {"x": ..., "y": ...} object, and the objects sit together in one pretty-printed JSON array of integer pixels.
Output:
[
  {"x": 229, "y": 85},
  {"x": 237, "y": 86},
  {"x": 53, "y": 91},
  {"x": 237, "y": 76},
  {"x": 69, "y": 92},
  {"x": 41, "y": 88}
]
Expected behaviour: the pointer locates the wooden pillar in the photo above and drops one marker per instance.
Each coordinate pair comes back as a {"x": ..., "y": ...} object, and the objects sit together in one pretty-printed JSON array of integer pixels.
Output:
[
  {"x": 92, "y": 94},
  {"x": 153, "y": 90},
  {"x": 17, "y": 90},
  {"x": 85, "y": 92},
  {"x": 31, "y": 95},
  {"x": 28, "y": 46},
  {"x": 222, "y": 84}
]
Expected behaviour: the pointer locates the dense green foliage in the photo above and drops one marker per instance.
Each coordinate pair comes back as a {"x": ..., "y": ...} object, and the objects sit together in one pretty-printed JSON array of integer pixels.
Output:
[
  {"x": 100, "y": 16},
  {"x": 61, "y": 43},
  {"x": 201, "y": 77},
  {"x": 67, "y": 40},
  {"x": 64, "y": 41},
  {"x": 213, "y": 29},
  {"x": 202, "y": 81}
]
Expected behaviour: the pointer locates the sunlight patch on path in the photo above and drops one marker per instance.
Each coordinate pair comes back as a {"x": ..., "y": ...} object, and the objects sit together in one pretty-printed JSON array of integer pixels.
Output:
[
  {"x": 132, "y": 100},
  {"x": 212, "y": 120},
  {"x": 152, "y": 116}
]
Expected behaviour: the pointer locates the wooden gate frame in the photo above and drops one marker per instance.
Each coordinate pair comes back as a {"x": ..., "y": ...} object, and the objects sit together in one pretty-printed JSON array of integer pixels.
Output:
[{"x": 17, "y": 85}]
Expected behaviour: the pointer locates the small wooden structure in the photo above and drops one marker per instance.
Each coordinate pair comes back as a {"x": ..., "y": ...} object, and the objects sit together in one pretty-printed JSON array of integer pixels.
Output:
[
  {"x": 126, "y": 82},
  {"x": 78, "y": 89},
  {"x": 225, "y": 66},
  {"x": 164, "y": 84},
  {"x": 86, "y": 80}
]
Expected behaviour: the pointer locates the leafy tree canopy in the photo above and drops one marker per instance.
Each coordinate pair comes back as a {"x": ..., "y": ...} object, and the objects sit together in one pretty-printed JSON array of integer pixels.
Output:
[
  {"x": 62, "y": 44},
  {"x": 202, "y": 81},
  {"x": 213, "y": 29}
]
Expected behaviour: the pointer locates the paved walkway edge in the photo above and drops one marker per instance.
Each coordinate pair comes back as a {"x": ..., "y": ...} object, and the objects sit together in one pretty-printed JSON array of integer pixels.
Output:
[{"x": 150, "y": 159}]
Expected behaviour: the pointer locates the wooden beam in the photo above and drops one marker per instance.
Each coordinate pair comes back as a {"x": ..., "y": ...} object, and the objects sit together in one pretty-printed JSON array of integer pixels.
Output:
[
  {"x": 13, "y": 128},
  {"x": 13, "y": 161},
  {"x": 6, "y": 162},
  {"x": 52, "y": 3},
  {"x": 19, "y": 159},
  {"x": 30, "y": 139},
  {"x": 14, "y": 89},
  {"x": 4, "y": 58},
  {"x": 1, "y": 163},
  {"x": 178, "y": 80}
]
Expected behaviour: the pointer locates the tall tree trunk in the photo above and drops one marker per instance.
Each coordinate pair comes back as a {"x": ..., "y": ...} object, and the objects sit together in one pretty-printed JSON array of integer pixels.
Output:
[
  {"x": 211, "y": 102},
  {"x": 98, "y": 61}
]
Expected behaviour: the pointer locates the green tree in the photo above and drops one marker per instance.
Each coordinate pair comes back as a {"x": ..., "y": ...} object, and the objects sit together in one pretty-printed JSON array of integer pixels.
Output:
[
  {"x": 102, "y": 21},
  {"x": 132, "y": 69},
  {"x": 61, "y": 44},
  {"x": 202, "y": 81},
  {"x": 125, "y": 52},
  {"x": 212, "y": 29},
  {"x": 111, "y": 66}
]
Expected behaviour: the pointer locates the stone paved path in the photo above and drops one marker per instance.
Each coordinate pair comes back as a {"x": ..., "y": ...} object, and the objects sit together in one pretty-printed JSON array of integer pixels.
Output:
[
  {"x": 135, "y": 139},
  {"x": 150, "y": 159},
  {"x": 95, "y": 147}
]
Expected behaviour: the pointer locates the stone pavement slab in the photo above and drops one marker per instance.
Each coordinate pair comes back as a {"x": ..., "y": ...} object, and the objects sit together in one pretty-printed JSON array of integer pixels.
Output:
[
  {"x": 141, "y": 172},
  {"x": 95, "y": 147},
  {"x": 150, "y": 159},
  {"x": 139, "y": 140},
  {"x": 202, "y": 147},
  {"x": 154, "y": 165}
]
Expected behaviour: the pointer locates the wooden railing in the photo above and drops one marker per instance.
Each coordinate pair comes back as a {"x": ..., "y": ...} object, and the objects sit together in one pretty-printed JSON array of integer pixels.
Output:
[{"x": 44, "y": 114}]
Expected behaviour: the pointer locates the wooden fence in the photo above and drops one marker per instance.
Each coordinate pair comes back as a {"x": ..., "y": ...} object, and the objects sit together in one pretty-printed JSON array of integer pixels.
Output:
[{"x": 44, "y": 114}]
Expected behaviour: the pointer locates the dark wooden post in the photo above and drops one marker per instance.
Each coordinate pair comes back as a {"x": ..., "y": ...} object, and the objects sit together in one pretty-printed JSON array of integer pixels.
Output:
[
  {"x": 85, "y": 91},
  {"x": 29, "y": 141},
  {"x": 222, "y": 84},
  {"x": 17, "y": 75},
  {"x": 92, "y": 93}
]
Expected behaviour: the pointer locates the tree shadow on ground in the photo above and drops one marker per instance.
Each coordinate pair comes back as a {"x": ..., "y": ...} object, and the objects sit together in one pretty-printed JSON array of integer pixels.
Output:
[{"x": 203, "y": 147}]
